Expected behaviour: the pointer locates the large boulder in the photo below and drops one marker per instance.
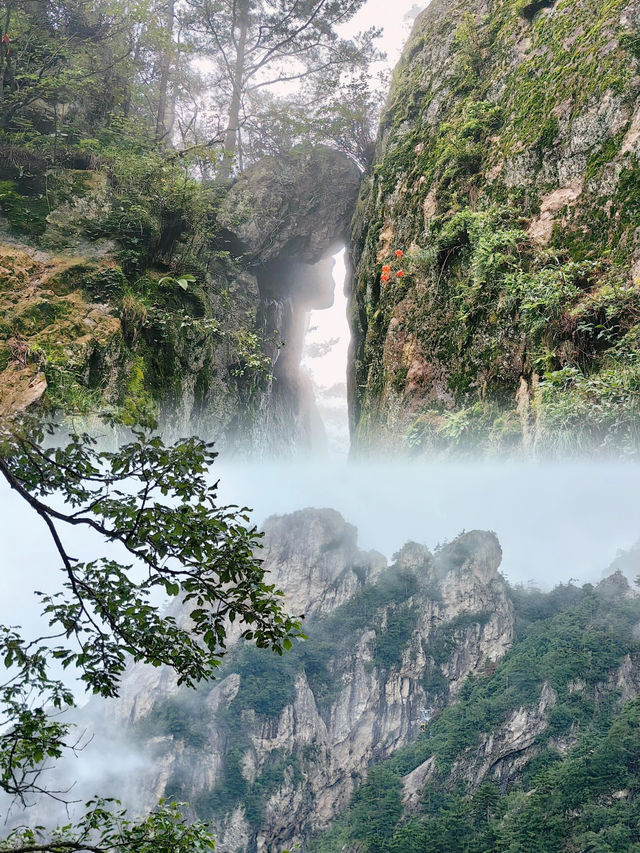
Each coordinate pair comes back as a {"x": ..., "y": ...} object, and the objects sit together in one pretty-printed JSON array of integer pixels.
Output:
[{"x": 297, "y": 205}]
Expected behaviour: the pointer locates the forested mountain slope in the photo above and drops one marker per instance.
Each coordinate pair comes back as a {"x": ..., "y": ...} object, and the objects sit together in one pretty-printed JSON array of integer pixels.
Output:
[
  {"x": 273, "y": 752},
  {"x": 467, "y": 706},
  {"x": 507, "y": 173},
  {"x": 540, "y": 756}
]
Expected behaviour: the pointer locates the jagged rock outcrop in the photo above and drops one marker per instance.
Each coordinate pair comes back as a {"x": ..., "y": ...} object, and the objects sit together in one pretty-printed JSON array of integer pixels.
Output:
[
  {"x": 316, "y": 559},
  {"x": 278, "y": 751},
  {"x": 506, "y": 171},
  {"x": 502, "y": 753},
  {"x": 312, "y": 556}
]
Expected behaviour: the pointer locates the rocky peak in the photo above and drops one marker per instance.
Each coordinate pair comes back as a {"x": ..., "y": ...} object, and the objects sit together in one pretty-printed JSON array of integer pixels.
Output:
[
  {"x": 386, "y": 646},
  {"x": 474, "y": 554},
  {"x": 313, "y": 555},
  {"x": 616, "y": 585},
  {"x": 412, "y": 555}
]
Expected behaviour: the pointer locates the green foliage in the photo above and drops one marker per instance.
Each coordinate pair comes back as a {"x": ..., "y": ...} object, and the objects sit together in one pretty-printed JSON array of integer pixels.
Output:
[
  {"x": 105, "y": 285},
  {"x": 155, "y": 202},
  {"x": 603, "y": 409},
  {"x": 266, "y": 684},
  {"x": 392, "y": 640},
  {"x": 235, "y": 789},
  {"x": 377, "y": 806},
  {"x": 26, "y": 213},
  {"x": 165, "y": 830},
  {"x": 253, "y": 367},
  {"x": 158, "y": 504}
]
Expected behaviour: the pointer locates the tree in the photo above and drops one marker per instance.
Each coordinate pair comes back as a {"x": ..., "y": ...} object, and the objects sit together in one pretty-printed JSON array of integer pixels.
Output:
[
  {"x": 166, "y": 98},
  {"x": 60, "y": 59},
  {"x": 342, "y": 113},
  {"x": 92, "y": 72},
  {"x": 261, "y": 44},
  {"x": 157, "y": 504}
]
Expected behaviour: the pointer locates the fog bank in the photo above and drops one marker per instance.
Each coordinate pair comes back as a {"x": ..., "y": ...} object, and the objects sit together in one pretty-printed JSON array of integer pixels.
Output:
[{"x": 555, "y": 521}]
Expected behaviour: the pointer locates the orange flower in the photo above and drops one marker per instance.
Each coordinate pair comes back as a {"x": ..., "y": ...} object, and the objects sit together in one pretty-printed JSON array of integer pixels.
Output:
[
  {"x": 399, "y": 253},
  {"x": 384, "y": 277},
  {"x": 386, "y": 268},
  {"x": 400, "y": 274}
]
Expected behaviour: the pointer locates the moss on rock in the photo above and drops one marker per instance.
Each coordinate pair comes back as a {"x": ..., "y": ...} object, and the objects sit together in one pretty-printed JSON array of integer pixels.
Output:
[{"x": 507, "y": 172}]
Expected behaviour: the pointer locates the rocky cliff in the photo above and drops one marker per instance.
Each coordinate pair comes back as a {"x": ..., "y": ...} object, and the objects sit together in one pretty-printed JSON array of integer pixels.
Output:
[
  {"x": 132, "y": 289},
  {"x": 538, "y": 754},
  {"x": 275, "y": 750},
  {"x": 506, "y": 173}
]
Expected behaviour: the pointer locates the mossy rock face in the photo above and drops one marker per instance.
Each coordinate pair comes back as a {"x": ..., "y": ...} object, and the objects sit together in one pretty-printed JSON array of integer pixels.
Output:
[
  {"x": 91, "y": 341},
  {"x": 51, "y": 331},
  {"x": 507, "y": 174}
]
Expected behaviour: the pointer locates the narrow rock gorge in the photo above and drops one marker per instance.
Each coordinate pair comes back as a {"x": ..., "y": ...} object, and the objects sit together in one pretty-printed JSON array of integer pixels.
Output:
[{"x": 86, "y": 329}]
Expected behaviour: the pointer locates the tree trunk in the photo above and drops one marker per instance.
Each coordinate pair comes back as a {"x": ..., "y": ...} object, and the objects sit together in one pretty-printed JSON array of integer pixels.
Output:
[
  {"x": 165, "y": 114},
  {"x": 5, "y": 50},
  {"x": 233, "y": 123}
]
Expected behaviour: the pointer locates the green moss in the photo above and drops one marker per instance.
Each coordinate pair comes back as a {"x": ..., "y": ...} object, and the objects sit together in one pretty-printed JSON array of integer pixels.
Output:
[
  {"x": 5, "y": 357},
  {"x": 631, "y": 43},
  {"x": 40, "y": 314},
  {"x": 486, "y": 305},
  {"x": 137, "y": 405},
  {"x": 105, "y": 285},
  {"x": 602, "y": 156}
]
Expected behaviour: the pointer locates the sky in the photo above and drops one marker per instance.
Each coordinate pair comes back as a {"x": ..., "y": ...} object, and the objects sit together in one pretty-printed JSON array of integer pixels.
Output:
[
  {"x": 324, "y": 359},
  {"x": 391, "y": 16}
]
